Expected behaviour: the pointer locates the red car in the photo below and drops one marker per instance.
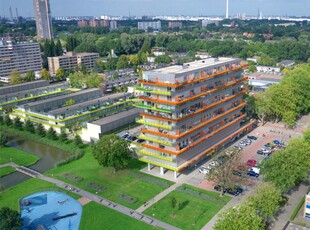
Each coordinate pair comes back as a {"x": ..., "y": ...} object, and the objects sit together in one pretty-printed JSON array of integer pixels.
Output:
[
  {"x": 242, "y": 168},
  {"x": 251, "y": 163}
]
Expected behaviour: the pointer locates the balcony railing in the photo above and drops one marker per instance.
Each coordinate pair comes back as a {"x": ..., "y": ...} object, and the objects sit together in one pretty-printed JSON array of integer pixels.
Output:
[
  {"x": 154, "y": 91},
  {"x": 159, "y": 141},
  {"x": 147, "y": 153},
  {"x": 154, "y": 124},
  {"x": 163, "y": 110},
  {"x": 158, "y": 164}
]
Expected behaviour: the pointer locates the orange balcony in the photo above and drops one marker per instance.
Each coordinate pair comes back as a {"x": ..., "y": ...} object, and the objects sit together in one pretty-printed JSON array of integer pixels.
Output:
[
  {"x": 196, "y": 112},
  {"x": 175, "y": 103},
  {"x": 194, "y": 128},
  {"x": 202, "y": 78},
  {"x": 197, "y": 142}
]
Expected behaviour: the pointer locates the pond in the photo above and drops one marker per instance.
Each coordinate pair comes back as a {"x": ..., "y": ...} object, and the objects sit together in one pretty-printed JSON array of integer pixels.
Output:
[{"x": 48, "y": 157}]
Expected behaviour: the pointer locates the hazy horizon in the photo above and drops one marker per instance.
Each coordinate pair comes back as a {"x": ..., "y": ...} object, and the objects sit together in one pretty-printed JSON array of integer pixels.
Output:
[{"x": 160, "y": 7}]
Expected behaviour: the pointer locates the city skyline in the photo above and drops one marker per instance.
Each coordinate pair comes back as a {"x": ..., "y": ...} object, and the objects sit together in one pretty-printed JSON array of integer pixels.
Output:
[{"x": 160, "y": 7}]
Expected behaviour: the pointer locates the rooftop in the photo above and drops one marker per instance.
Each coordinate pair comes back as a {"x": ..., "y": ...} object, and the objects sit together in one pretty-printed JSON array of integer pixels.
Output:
[
  {"x": 86, "y": 103},
  {"x": 196, "y": 65},
  {"x": 116, "y": 117},
  {"x": 16, "y": 88},
  {"x": 266, "y": 77}
]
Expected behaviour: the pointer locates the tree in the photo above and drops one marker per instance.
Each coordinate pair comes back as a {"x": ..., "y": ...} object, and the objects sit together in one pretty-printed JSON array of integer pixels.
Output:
[
  {"x": 60, "y": 74},
  {"x": 30, "y": 76},
  {"x": 51, "y": 134},
  {"x": 58, "y": 48},
  {"x": 17, "y": 124},
  {"x": 112, "y": 151},
  {"x": 63, "y": 136},
  {"x": 69, "y": 102},
  {"x": 122, "y": 62},
  {"x": 7, "y": 120},
  {"x": 45, "y": 75},
  {"x": 242, "y": 216},
  {"x": 266, "y": 200},
  {"x": 78, "y": 140},
  {"x": 252, "y": 69},
  {"x": 15, "y": 78},
  {"x": 3, "y": 138},
  {"x": 29, "y": 126},
  {"x": 10, "y": 219},
  {"x": 40, "y": 130},
  {"x": 163, "y": 59},
  {"x": 287, "y": 168},
  {"x": 224, "y": 175}
]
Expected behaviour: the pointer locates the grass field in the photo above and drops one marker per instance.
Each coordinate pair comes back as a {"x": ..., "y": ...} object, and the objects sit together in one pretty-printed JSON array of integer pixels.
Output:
[
  {"x": 6, "y": 170},
  {"x": 122, "y": 182},
  {"x": 191, "y": 211},
  {"x": 94, "y": 216},
  {"x": 8, "y": 154},
  {"x": 97, "y": 217},
  {"x": 10, "y": 197}
]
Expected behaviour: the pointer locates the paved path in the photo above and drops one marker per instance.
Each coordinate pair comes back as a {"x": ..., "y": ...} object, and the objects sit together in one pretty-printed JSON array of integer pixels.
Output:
[
  {"x": 100, "y": 200},
  {"x": 285, "y": 212}
]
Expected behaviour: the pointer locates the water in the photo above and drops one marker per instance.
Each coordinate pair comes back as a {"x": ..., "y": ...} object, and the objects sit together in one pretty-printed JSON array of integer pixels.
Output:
[{"x": 48, "y": 157}]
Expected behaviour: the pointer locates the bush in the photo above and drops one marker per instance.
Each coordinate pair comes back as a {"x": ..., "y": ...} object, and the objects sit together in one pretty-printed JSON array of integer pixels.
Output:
[
  {"x": 51, "y": 134},
  {"x": 79, "y": 154},
  {"x": 8, "y": 121},
  {"x": 29, "y": 126},
  {"x": 17, "y": 124},
  {"x": 298, "y": 207},
  {"x": 40, "y": 130},
  {"x": 3, "y": 138},
  {"x": 78, "y": 141}
]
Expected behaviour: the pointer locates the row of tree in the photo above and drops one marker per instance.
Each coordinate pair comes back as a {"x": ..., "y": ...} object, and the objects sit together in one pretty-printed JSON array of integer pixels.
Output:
[{"x": 287, "y": 100}]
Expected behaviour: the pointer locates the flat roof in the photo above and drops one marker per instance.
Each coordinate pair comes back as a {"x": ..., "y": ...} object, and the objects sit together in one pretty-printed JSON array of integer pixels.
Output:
[
  {"x": 61, "y": 97},
  {"x": 116, "y": 117},
  {"x": 4, "y": 88},
  {"x": 34, "y": 89},
  {"x": 86, "y": 103},
  {"x": 195, "y": 65},
  {"x": 261, "y": 76}
]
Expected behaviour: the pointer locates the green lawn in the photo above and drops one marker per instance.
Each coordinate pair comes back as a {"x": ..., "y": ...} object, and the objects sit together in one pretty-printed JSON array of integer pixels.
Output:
[
  {"x": 191, "y": 211},
  {"x": 8, "y": 154},
  {"x": 6, "y": 170},
  {"x": 98, "y": 217},
  {"x": 11, "y": 196},
  {"x": 122, "y": 182}
]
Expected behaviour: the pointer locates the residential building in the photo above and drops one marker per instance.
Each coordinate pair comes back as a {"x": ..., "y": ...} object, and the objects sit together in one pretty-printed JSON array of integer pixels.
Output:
[
  {"x": 94, "y": 23},
  {"x": 15, "y": 95},
  {"x": 20, "y": 56},
  {"x": 43, "y": 16},
  {"x": 175, "y": 24},
  {"x": 71, "y": 60},
  {"x": 190, "y": 111},
  {"x": 261, "y": 81},
  {"x": 155, "y": 25},
  {"x": 307, "y": 206},
  {"x": 268, "y": 69},
  {"x": 204, "y": 23},
  {"x": 109, "y": 123},
  {"x": 87, "y": 105},
  {"x": 83, "y": 23},
  {"x": 113, "y": 25},
  {"x": 286, "y": 63}
]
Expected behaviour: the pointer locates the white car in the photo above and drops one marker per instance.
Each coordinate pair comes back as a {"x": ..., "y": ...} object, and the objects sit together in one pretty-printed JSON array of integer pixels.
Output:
[
  {"x": 255, "y": 169},
  {"x": 204, "y": 170}
]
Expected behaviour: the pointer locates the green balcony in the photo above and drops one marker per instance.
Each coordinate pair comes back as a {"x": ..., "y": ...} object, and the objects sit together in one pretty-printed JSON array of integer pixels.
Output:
[
  {"x": 147, "y": 153},
  {"x": 158, "y": 164},
  {"x": 158, "y": 125},
  {"x": 156, "y": 140},
  {"x": 154, "y": 91},
  {"x": 163, "y": 110}
]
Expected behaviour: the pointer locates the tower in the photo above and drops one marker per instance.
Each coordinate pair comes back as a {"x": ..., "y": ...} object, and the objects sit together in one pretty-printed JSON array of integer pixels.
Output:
[
  {"x": 226, "y": 9},
  {"x": 11, "y": 15},
  {"x": 43, "y": 19}
]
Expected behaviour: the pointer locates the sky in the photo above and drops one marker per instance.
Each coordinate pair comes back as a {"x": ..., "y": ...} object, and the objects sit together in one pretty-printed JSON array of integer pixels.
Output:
[{"x": 160, "y": 7}]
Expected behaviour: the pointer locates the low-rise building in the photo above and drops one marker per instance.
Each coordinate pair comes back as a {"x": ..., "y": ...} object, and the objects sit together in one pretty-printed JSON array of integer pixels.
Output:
[
  {"x": 205, "y": 23},
  {"x": 155, "y": 25},
  {"x": 72, "y": 60},
  {"x": 113, "y": 25},
  {"x": 109, "y": 123},
  {"x": 175, "y": 24},
  {"x": 268, "y": 69},
  {"x": 261, "y": 82},
  {"x": 286, "y": 63}
]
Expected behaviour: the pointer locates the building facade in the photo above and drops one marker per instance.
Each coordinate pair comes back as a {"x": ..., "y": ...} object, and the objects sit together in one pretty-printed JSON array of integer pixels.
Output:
[
  {"x": 175, "y": 24},
  {"x": 72, "y": 60},
  {"x": 190, "y": 111},
  {"x": 43, "y": 17},
  {"x": 20, "y": 56},
  {"x": 113, "y": 25},
  {"x": 152, "y": 24}
]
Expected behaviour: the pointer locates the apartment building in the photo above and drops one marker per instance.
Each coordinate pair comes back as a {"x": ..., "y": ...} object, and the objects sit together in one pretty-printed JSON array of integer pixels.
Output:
[
  {"x": 71, "y": 60},
  {"x": 20, "y": 56},
  {"x": 155, "y": 25},
  {"x": 175, "y": 24},
  {"x": 43, "y": 16},
  {"x": 190, "y": 111}
]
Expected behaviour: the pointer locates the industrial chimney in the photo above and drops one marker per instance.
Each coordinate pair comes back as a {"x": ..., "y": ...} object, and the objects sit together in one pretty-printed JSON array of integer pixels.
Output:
[{"x": 226, "y": 9}]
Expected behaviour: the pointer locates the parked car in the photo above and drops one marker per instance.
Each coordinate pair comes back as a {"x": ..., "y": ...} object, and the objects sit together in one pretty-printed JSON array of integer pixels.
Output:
[
  {"x": 260, "y": 152},
  {"x": 213, "y": 163},
  {"x": 125, "y": 136},
  {"x": 205, "y": 170},
  {"x": 239, "y": 189},
  {"x": 220, "y": 159},
  {"x": 248, "y": 141},
  {"x": 255, "y": 169},
  {"x": 219, "y": 188},
  {"x": 232, "y": 191},
  {"x": 251, "y": 162},
  {"x": 276, "y": 142},
  {"x": 252, "y": 173},
  {"x": 252, "y": 138},
  {"x": 243, "y": 168}
]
